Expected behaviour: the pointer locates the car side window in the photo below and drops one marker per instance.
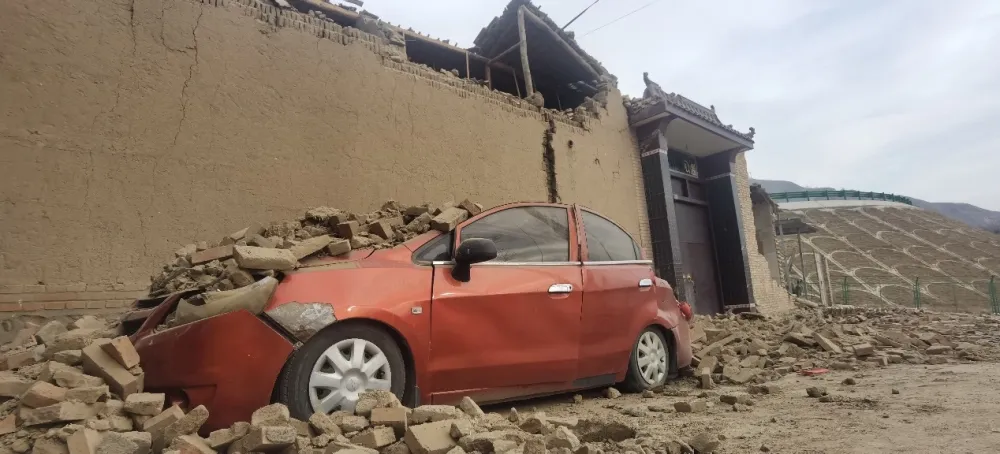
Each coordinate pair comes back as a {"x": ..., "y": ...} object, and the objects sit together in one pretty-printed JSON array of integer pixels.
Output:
[
  {"x": 438, "y": 249},
  {"x": 525, "y": 234},
  {"x": 606, "y": 241}
]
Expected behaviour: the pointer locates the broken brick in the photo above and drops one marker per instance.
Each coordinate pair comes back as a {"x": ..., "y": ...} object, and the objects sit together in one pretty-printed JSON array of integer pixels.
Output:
[
  {"x": 271, "y": 415},
  {"x": 449, "y": 219},
  {"x": 83, "y": 441},
  {"x": 146, "y": 404},
  {"x": 310, "y": 246},
  {"x": 42, "y": 394},
  {"x": 122, "y": 350},
  {"x": 694, "y": 406},
  {"x": 381, "y": 228},
  {"x": 258, "y": 258},
  {"x": 13, "y": 385},
  {"x": 269, "y": 438},
  {"x": 375, "y": 437},
  {"x": 338, "y": 247},
  {"x": 430, "y": 438},
  {"x": 61, "y": 412},
  {"x": 216, "y": 253},
  {"x": 99, "y": 363}
]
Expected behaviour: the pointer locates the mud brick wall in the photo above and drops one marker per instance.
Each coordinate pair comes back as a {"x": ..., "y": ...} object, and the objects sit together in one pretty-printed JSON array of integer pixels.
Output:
[
  {"x": 131, "y": 127},
  {"x": 770, "y": 296}
]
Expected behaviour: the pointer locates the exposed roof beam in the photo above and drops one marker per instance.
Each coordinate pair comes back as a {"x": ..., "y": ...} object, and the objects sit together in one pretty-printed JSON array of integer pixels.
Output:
[{"x": 562, "y": 43}]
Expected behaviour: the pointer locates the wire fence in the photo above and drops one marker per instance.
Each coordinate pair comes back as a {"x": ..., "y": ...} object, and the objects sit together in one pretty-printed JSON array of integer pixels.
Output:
[{"x": 956, "y": 293}]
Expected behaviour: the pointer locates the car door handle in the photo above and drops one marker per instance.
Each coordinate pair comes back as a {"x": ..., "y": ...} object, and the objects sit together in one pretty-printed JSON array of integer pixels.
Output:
[
  {"x": 643, "y": 283},
  {"x": 560, "y": 288}
]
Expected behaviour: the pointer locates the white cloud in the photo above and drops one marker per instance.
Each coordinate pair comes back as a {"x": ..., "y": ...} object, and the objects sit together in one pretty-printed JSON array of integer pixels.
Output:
[{"x": 897, "y": 95}]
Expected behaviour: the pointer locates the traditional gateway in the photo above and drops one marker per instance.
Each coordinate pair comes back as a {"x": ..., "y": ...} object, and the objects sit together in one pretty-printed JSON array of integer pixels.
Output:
[{"x": 245, "y": 111}]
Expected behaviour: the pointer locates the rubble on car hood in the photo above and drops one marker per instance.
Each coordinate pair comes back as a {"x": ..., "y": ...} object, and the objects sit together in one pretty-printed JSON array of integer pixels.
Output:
[
  {"x": 754, "y": 348},
  {"x": 254, "y": 252}
]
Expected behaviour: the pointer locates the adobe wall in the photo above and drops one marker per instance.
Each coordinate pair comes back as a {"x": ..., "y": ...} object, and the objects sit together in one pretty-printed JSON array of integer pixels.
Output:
[
  {"x": 133, "y": 127},
  {"x": 768, "y": 293}
]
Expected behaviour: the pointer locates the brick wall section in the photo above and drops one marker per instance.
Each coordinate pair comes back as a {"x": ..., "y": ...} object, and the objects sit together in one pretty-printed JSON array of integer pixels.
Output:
[
  {"x": 768, "y": 293},
  {"x": 137, "y": 127}
]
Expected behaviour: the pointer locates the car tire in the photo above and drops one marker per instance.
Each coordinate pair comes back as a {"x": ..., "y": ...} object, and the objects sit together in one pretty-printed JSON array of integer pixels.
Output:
[
  {"x": 648, "y": 373},
  {"x": 299, "y": 389}
]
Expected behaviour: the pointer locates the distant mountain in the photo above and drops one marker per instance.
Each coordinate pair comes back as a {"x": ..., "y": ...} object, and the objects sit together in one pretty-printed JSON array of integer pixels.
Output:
[{"x": 963, "y": 212}]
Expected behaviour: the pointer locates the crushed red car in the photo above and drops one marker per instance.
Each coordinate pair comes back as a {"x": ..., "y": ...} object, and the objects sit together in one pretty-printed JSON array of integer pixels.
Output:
[{"x": 521, "y": 300}]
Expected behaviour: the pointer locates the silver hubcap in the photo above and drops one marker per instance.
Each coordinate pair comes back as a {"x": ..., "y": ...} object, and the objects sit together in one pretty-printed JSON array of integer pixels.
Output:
[
  {"x": 344, "y": 371},
  {"x": 652, "y": 358}
]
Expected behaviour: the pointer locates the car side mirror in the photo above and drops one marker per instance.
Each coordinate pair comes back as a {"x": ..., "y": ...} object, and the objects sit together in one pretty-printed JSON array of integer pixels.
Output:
[{"x": 472, "y": 250}]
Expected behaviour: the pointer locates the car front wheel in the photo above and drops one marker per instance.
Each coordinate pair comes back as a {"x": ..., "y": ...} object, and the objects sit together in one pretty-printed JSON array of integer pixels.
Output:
[
  {"x": 649, "y": 364},
  {"x": 336, "y": 366}
]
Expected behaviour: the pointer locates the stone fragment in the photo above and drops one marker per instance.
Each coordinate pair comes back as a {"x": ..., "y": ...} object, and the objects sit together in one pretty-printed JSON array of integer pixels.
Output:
[
  {"x": 191, "y": 444},
  {"x": 120, "y": 423},
  {"x": 157, "y": 425},
  {"x": 189, "y": 424},
  {"x": 430, "y": 438},
  {"x": 862, "y": 350},
  {"x": 612, "y": 393},
  {"x": 99, "y": 425},
  {"x": 938, "y": 350},
  {"x": 83, "y": 441},
  {"x": 376, "y": 398},
  {"x": 271, "y": 415},
  {"x": 849, "y": 381},
  {"x": 13, "y": 385},
  {"x": 147, "y": 404},
  {"x": 324, "y": 424},
  {"x": 449, "y": 219},
  {"x": 395, "y": 417},
  {"x": 125, "y": 442},
  {"x": 472, "y": 208},
  {"x": 216, "y": 253},
  {"x": 470, "y": 407},
  {"x": 736, "y": 398},
  {"x": 350, "y": 423},
  {"x": 43, "y": 394},
  {"x": 310, "y": 246},
  {"x": 260, "y": 241},
  {"x": 826, "y": 344},
  {"x": 98, "y": 363},
  {"x": 68, "y": 357},
  {"x": 704, "y": 442},
  {"x": 399, "y": 447},
  {"x": 461, "y": 428},
  {"x": 432, "y": 413},
  {"x": 694, "y": 406},
  {"x": 61, "y": 412},
  {"x": 122, "y": 350},
  {"x": 348, "y": 229},
  {"x": 72, "y": 378},
  {"x": 8, "y": 424},
  {"x": 48, "y": 332},
  {"x": 375, "y": 437},
  {"x": 268, "y": 438},
  {"x": 816, "y": 391},
  {"x": 380, "y": 228},
  {"x": 562, "y": 438},
  {"x": 799, "y": 339},
  {"x": 258, "y": 258},
  {"x": 49, "y": 446},
  {"x": 338, "y": 247}
]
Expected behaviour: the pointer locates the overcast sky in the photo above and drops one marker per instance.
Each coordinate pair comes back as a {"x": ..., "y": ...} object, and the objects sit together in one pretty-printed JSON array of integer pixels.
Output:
[{"x": 899, "y": 96}]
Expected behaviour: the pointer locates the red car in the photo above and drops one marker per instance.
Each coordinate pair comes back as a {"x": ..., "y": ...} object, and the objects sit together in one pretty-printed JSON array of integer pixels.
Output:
[{"x": 522, "y": 300}]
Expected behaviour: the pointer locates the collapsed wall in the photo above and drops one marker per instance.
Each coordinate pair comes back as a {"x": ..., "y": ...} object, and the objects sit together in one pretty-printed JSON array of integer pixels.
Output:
[{"x": 133, "y": 127}]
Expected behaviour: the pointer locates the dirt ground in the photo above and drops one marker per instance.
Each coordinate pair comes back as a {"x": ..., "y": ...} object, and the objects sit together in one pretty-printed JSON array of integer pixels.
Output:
[{"x": 952, "y": 408}]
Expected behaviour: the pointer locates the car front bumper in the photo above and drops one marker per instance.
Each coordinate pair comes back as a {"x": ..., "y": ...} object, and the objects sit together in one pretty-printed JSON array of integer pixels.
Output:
[{"x": 229, "y": 363}]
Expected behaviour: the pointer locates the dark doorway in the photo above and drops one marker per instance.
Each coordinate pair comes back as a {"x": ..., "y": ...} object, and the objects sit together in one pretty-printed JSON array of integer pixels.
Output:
[{"x": 694, "y": 230}]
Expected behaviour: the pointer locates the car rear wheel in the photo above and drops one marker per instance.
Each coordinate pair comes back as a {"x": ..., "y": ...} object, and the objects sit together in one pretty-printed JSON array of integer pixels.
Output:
[
  {"x": 336, "y": 366},
  {"x": 649, "y": 364}
]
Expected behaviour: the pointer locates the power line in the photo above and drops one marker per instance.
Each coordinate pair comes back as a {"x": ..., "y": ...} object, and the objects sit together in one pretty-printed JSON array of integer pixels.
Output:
[
  {"x": 622, "y": 17},
  {"x": 578, "y": 15}
]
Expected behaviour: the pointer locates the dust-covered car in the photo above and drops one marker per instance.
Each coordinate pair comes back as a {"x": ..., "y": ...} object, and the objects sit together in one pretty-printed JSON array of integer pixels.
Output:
[{"x": 521, "y": 300}]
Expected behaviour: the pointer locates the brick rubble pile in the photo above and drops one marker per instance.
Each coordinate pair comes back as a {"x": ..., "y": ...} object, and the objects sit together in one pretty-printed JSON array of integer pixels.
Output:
[
  {"x": 78, "y": 389},
  {"x": 752, "y": 348},
  {"x": 256, "y": 251}
]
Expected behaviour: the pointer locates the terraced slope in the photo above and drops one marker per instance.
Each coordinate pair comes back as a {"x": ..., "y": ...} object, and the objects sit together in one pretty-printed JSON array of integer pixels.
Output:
[{"x": 882, "y": 255}]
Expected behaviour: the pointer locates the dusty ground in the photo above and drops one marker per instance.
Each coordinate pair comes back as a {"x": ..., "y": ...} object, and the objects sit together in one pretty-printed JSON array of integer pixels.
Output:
[{"x": 951, "y": 408}]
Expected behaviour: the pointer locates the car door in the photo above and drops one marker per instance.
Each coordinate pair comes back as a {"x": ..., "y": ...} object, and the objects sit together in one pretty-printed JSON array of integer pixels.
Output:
[
  {"x": 516, "y": 322},
  {"x": 618, "y": 298}
]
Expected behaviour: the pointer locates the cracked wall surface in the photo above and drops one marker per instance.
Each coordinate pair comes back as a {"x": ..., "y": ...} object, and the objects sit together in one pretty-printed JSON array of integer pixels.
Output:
[{"x": 132, "y": 127}]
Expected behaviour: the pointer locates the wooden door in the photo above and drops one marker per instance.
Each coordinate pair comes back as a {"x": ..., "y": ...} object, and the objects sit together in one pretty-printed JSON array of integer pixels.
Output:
[{"x": 698, "y": 255}]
